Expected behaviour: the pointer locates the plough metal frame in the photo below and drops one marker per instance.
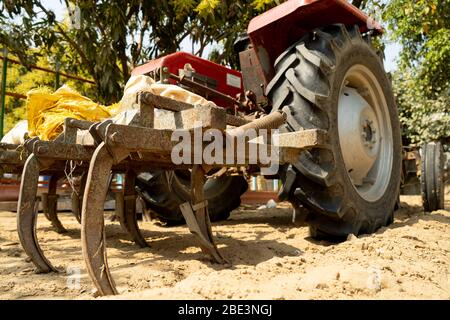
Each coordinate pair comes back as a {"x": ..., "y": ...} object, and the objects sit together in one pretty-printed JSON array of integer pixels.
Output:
[
  {"x": 132, "y": 148},
  {"x": 12, "y": 160}
]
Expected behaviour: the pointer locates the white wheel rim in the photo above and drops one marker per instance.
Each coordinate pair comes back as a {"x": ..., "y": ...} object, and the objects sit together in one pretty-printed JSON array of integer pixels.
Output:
[{"x": 365, "y": 133}]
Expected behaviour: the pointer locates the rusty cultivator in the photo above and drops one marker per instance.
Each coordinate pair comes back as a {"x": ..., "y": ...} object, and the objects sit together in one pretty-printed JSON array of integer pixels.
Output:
[{"x": 137, "y": 146}]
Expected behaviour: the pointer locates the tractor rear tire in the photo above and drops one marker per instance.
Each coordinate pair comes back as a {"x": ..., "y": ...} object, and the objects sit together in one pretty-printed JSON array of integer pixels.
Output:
[
  {"x": 432, "y": 176},
  {"x": 164, "y": 191},
  {"x": 316, "y": 79}
]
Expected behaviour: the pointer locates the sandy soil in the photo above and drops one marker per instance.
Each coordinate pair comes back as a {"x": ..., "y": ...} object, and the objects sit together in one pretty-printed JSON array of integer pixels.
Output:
[{"x": 272, "y": 258}]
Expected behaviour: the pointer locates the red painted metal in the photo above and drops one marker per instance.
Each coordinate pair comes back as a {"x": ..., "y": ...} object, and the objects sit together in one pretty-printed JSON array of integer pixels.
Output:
[
  {"x": 275, "y": 30},
  {"x": 227, "y": 81},
  {"x": 258, "y": 197},
  {"x": 9, "y": 192}
]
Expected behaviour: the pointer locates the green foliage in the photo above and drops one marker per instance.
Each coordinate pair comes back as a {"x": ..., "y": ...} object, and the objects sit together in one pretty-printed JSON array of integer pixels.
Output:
[
  {"x": 423, "y": 29},
  {"x": 183, "y": 7},
  {"x": 229, "y": 20},
  {"x": 207, "y": 7},
  {"x": 422, "y": 81},
  {"x": 423, "y": 119},
  {"x": 262, "y": 5}
]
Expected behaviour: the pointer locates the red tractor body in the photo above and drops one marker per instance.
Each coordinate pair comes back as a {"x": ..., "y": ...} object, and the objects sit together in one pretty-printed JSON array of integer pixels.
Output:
[{"x": 210, "y": 74}]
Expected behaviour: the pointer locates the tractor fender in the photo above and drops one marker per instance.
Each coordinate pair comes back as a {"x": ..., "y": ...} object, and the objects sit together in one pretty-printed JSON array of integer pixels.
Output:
[{"x": 274, "y": 31}]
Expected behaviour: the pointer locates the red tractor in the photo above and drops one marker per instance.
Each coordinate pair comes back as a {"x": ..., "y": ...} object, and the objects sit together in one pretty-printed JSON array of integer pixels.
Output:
[
  {"x": 313, "y": 60},
  {"x": 308, "y": 69}
]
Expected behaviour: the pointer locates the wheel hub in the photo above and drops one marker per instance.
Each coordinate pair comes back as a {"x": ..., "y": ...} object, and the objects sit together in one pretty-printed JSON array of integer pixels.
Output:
[
  {"x": 358, "y": 135},
  {"x": 365, "y": 133}
]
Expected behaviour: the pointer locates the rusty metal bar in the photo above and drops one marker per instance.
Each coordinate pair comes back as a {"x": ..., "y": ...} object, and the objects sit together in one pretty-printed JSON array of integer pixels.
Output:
[
  {"x": 178, "y": 106},
  {"x": 27, "y": 216},
  {"x": 77, "y": 198},
  {"x": 93, "y": 240},
  {"x": 8, "y": 146},
  {"x": 62, "y": 151},
  {"x": 204, "y": 89},
  {"x": 163, "y": 102},
  {"x": 128, "y": 219},
  {"x": 305, "y": 139},
  {"x": 71, "y": 126},
  {"x": 52, "y": 204},
  {"x": 12, "y": 157},
  {"x": 271, "y": 121}
]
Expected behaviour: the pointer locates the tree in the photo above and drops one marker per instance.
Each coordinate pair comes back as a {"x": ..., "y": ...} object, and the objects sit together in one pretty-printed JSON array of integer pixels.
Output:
[
  {"x": 114, "y": 36},
  {"x": 422, "y": 81},
  {"x": 423, "y": 119},
  {"x": 423, "y": 29}
]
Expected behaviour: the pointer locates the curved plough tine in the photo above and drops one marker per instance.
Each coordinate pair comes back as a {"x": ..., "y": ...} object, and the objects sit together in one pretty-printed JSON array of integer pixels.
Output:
[
  {"x": 197, "y": 217},
  {"x": 43, "y": 198},
  {"x": 76, "y": 206},
  {"x": 77, "y": 198},
  {"x": 52, "y": 204},
  {"x": 93, "y": 241},
  {"x": 127, "y": 216},
  {"x": 27, "y": 215}
]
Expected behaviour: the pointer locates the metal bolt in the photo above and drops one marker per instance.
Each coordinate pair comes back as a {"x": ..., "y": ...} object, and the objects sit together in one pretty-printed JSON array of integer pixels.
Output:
[
  {"x": 42, "y": 149},
  {"x": 116, "y": 138}
]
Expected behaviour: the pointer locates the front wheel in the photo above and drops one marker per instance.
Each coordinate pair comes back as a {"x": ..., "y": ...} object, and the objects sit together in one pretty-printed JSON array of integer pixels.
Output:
[{"x": 333, "y": 80}]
